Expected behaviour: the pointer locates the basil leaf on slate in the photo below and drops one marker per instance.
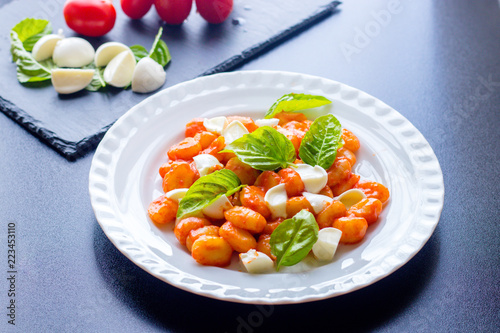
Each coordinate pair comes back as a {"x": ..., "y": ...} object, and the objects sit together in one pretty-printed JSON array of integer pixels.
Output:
[
  {"x": 159, "y": 51},
  {"x": 319, "y": 145},
  {"x": 295, "y": 102},
  {"x": 30, "y": 30},
  {"x": 28, "y": 69},
  {"x": 139, "y": 52},
  {"x": 263, "y": 149},
  {"x": 292, "y": 240},
  {"x": 98, "y": 79}
]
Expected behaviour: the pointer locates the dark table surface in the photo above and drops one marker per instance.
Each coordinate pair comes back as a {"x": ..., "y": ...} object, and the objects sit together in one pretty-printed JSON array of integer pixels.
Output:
[{"x": 436, "y": 62}]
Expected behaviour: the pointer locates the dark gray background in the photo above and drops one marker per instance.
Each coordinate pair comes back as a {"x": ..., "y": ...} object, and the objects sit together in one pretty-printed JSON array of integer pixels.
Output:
[{"x": 436, "y": 62}]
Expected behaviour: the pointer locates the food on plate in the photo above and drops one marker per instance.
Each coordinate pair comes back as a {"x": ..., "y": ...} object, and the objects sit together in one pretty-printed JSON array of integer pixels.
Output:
[
  {"x": 173, "y": 11},
  {"x": 216, "y": 209},
  {"x": 71, "y": 80},
  {"x": 212, "y": 251},
  {"x": 163, "y": 209},
  {"x": 328, "y": 240},
  {"x": 73, "y": 52},
  {"x": 176, "y": 194},
  {"x": 113, "y": 63},
  {"x": 275, "y": 199},
  {"x": 272, "y": 191},
  {"x": 91, "y": 18},
  {"x": 353, "y": 228},
  {"x": 214, "y": 11},
  {"x": 351, "y": 197},
  {"x": 373, "y": 190},
  {"x": 136, "y": 9},
  {"x": 368, "y": 208},
  {"x": 256, "y": 262}
]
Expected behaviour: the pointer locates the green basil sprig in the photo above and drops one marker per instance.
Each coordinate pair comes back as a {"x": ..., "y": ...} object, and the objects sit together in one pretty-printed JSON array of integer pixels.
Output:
[
  {"x": 159, "y": 51},
  {"x": 22, "y": 38},
  {"x": 139, "y": 52},
  {"x": 98, "y": 79},
  {"x": 292, "y": 240},
  {"x": 28, "y": 69},
  {"x": 206, "y": 190},
  {"x": 30, "y": 30},
  {"x": 263, "y": 149},
  {"x": 295, "y": 102},
  {"x": 319, "y": 145}
]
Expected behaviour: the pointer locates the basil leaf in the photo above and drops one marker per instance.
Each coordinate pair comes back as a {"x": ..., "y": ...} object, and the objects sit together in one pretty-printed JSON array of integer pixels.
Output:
[
  {"x": 295, "y": 102},
  {"x": 159, "y": 51},
  {"x": 98, "y": 79},
  {"x": 319, "y": 145},
  {"x": 139, "y": 52},
  {"x": 30, "y": 30},
  {"x": 31, "y": 41},
  {"x": 28, "y": 69},
  {"x": 206, "y": 190},
  {"x": 263, "y": 149},
  {"x": 292, "y": 240},
  {"x": 16, "y": 47}
]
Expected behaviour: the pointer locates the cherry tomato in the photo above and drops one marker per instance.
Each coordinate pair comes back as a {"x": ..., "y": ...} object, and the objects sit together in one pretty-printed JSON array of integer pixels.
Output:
[
  {"x": 214, "y": 11},
  {"x": 136, "y": 9},
  {"x": 173, "y": 11},
  {"x": 90, "y": 17}
]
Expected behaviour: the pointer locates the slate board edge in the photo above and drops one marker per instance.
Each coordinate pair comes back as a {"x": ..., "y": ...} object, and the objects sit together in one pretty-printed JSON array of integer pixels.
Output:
[
  {"x": 260, "y": 48},
  {"x": 72, "y": 150}
]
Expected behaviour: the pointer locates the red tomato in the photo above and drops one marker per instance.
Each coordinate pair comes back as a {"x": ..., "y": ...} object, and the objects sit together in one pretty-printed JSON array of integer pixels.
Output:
[
  {"x": 90, "y": 17},
  {"x": 173, "y": 11},
  {"x": 136, "y": 9},
  {"x": 214, "y": 11}
]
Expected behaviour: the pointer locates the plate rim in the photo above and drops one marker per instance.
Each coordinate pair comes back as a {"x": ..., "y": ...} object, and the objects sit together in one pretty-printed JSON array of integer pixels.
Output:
[{"x": 100, "y": 175}]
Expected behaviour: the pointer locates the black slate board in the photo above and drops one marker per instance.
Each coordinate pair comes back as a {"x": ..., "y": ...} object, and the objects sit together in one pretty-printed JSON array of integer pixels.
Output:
[{"x": 73, "y": 125}]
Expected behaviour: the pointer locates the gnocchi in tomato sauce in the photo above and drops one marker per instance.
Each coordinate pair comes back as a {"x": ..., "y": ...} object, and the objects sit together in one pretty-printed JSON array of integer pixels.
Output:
[{"x": 244, "y": 221}]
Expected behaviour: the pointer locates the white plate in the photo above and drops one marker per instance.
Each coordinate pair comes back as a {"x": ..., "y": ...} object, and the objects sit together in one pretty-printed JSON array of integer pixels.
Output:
[{"x": 124, "y": 179}]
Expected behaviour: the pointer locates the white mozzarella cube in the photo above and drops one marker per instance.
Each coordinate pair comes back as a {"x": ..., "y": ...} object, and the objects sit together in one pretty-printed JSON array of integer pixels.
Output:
[
  {"x": 325, "y": 247},
  {"x": 234, "y": 131},
  {"x": 351, "y": 197},
  {"x": 205, "y": 163},
  {"x": 177, "y": 194},
  {"x": 275, "y": 199},
  {"x": 317, "y": 201},
  {"x": 314, "y": 178},
  {"x": 267, "y": 122},
  {"x": 256, "y": 262},
  {"x": 216, "y": 124},
  {"x": 216, "y": 209}
]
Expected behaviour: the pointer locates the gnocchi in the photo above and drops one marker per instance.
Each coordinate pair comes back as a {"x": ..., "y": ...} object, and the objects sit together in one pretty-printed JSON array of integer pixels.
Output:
[{"x": 248, "y": 220}]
